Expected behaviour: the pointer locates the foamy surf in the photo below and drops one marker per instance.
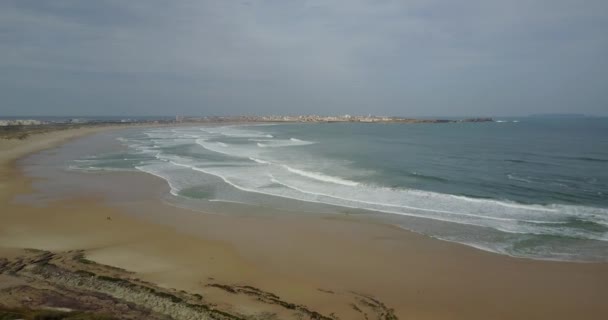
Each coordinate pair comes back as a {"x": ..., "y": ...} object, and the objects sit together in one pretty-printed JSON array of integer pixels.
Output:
[
  {"x": 260, "y": 161},
  {"x": 174, "y": 190},
  {"x": 321, "y": 177},
  {"x": 283, "y": 143},
  {"x": 258, "y": 164}
]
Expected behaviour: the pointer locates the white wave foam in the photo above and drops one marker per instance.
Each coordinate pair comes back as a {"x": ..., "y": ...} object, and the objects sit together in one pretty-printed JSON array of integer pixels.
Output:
[
  {"x": 283, "y": 143},
  {"x": 252, "y": 180},
  {"x": 516, "y": 178},
  {"x": 241, "y": 151},
  {"x": 229, "y": 201},
  {"x": 321, "y": 177},
  {"x": 211, "y": 172},
  {"x": 259, "y": 160},
  {"x": 281, "y": 176},
  {"x": 530, "y": 207},
  {"x": 348, "y": 203},
  {"x": 148, "y": 169},
  {"x": 234, "y": 132},
  {"x": 401, "y": 206},
  {"x": 349, "y": 193},
  {"x": 97, "y": 169},
  {"x": 505, "y": 121}
]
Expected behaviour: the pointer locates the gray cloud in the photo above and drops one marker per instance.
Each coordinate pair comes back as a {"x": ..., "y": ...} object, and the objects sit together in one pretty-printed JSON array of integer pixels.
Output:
[{"x": 415, "y": 57}]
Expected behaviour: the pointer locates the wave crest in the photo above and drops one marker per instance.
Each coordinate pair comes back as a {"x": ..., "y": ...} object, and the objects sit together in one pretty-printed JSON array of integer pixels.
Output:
[{"x": 321, "y": 177}]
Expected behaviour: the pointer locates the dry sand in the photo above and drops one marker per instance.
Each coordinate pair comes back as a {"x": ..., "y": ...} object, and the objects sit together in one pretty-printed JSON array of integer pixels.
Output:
[{"x": 325, "y": 262}]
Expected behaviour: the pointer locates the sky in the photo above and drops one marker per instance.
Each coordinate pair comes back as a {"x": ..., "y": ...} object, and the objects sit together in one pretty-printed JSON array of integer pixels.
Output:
[{"x": 382, "y": 57}]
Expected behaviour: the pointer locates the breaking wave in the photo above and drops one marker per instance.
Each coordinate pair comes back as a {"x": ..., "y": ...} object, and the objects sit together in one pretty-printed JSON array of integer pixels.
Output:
[{"x": 277, "y": 165}]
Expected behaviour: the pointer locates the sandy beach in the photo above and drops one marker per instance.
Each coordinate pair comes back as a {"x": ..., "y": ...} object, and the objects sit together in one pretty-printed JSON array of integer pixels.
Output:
[{"x": 333, "y": 266}]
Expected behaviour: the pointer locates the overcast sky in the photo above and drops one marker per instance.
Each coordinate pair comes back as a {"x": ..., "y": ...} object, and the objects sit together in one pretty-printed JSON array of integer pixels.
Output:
[{"x": 412, "y": 58}]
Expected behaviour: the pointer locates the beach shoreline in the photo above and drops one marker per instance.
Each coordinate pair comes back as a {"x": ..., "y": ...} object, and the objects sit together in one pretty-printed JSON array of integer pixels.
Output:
[{"x": 327, "y": 263}]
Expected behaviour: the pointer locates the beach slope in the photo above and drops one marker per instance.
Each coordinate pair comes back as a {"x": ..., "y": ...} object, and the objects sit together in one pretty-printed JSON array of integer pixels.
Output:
[{"x": 150, "y": 260}]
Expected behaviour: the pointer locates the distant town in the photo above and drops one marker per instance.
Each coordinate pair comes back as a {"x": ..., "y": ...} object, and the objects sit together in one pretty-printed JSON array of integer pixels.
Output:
[{"x": 216, "y": 119}]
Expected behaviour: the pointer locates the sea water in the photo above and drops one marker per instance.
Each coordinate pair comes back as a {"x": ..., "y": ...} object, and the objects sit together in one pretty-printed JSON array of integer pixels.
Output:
[{"x": 535, "y": 188}]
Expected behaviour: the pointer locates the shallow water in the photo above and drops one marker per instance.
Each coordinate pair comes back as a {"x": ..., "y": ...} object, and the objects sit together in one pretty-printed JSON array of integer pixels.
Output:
[{"x": 533, "y": 188}]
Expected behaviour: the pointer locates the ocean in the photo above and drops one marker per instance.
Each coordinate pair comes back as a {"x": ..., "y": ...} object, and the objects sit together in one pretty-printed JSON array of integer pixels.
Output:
[{"x": 530, "y": 187}]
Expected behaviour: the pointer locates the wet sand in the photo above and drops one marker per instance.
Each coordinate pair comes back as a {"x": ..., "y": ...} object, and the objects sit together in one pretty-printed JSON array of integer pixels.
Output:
[{"x": 330, "y": 263}]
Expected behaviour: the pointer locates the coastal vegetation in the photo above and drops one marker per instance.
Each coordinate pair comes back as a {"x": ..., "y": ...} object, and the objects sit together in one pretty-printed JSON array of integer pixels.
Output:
[
  {"x": 27, "y": 314},
  {"x": 63, "y": 285}
]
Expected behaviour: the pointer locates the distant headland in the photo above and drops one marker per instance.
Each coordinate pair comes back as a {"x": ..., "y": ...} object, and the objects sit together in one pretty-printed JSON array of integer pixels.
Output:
[{"x": 36, "y": 121}]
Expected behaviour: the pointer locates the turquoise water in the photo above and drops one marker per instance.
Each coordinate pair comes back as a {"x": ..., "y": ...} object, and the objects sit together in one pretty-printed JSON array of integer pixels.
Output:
[{"x": 529, "y": 187}]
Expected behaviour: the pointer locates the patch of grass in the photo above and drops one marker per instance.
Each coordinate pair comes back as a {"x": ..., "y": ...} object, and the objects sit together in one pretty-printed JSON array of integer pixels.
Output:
[
  {"x": 10, "y": 315},
  {"x": 114, "y": 280},
  {"x": 86, "y": 261},
  {"x": 14, "y": 314},
  {"x": 88, "y": 316},
  {"x": 80, "y": 258},
  {"x": 173, "y": 298},
  {"x": 50, "y": 315},
  {"x": 85, "y": 273}
]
